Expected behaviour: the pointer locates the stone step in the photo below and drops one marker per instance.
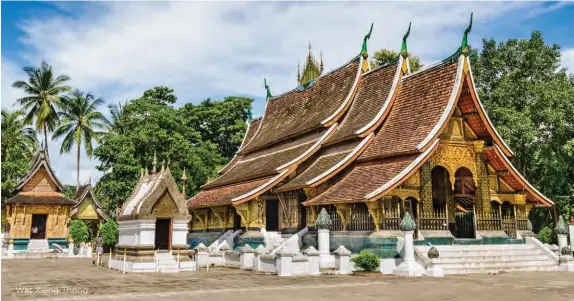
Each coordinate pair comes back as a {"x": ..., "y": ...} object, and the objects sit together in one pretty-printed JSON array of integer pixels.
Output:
[
  {"x": 447, "y": 248},
  {"x": 491, "y": 253},
  {"x": 482, "y": 270},
  {"x": 497, "y": 264},
  {"x": 467, "y": 259}
]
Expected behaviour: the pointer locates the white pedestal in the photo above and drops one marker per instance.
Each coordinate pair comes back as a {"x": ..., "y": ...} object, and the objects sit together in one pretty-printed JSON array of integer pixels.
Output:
[
  {"x": 10, "y": 253},
  {"x": 284, "y": 263},
  {"x": 409, "y": 267},
  {"x": 562, "y": 241},
  {"x": 246, "y": 259},
  {"x": 71, "y": 249}
]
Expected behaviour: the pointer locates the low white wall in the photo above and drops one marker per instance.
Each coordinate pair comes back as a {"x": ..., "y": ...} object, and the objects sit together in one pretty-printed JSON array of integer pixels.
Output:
[
  {"x": 299, "y": 265},
  {"x": 137, "y": 232},
  {"x": 134, "y": 267},
  {"x": 267, "y": 264},
  {"x": 388, "y": 265},
  {"x": 232, "y": 259}
]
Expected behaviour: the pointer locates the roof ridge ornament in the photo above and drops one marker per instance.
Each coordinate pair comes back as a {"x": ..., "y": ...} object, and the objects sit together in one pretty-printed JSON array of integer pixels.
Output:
[
  {"x": 364, "y": 51},
  {"x": 268, "y": 96},
  {"x": 464, "y": 45},
  {"x": 464, "y": 48},
  {"x": 404, "y": 51}
]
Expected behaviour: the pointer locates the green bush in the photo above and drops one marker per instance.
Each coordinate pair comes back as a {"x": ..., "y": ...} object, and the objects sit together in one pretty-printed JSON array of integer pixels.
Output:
[
  {"x": 79, "y": 231},
  {"x": 109, "y": 232},
  {"x": 547, "y": 235},
  {"x": 366, "y": 261}
]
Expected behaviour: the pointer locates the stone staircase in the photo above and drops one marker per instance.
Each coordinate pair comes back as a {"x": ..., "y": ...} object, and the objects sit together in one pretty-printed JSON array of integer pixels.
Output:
[
  {"x": 273, "y": 240},
  {"x": 472, "y": 259},
  {"x": 38, "y": 246},
  {"x": 166, "y": 263}
]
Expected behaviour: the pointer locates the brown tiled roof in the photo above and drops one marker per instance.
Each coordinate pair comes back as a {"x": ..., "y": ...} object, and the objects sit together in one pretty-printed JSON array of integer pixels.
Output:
[
  {"x": 500, "y": 162},
  {"x": 421, "y": 100},
  {"x": 223, "y": 195},
  {"x": 371, "y": 96},
  {"x": 329, "y": 158},
  {"x": 362, "y": 180},
  {"x": 264, "y": 162},
  {"x": 55, "y": 199},
  {"x": 42, "y": 159},
  {"x": 251, "y": 130},
  {"x": 297, "y": 111}
]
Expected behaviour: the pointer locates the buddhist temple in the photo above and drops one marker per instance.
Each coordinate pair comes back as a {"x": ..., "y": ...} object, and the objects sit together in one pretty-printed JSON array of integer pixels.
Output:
[
  {"x": 369, "y": 145},
  {"x": 87, "y": 207},
  {"x": 38, "y": 215},
  {"x": 154, "y": 217}
]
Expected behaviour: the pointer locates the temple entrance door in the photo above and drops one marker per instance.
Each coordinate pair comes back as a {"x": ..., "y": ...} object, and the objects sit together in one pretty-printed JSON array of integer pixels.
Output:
[
  {"x": 236, "y": 220},
  {"x": 38, "y": 230},
  {"x": 163, "y": 234},
  {"x": 271, "y": 215}
]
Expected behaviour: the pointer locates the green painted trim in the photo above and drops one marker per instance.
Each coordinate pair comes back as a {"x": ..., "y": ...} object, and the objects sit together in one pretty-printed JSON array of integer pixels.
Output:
[
  {"x": 63, "y": 242},
  {"x": 21, "y": 244}
]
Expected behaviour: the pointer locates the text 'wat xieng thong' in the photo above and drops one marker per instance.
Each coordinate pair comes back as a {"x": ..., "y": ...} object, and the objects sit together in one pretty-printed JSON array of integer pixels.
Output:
[{"x": 368, "y": 145}]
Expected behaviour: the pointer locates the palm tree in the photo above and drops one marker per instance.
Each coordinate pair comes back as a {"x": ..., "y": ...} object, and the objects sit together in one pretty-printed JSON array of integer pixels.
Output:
[
  {"x": 44, "y": 92},
  {"x": 117, "y": 124},
  {"x": 15, "y": 134},
  {"x": 80, "y": 121}
]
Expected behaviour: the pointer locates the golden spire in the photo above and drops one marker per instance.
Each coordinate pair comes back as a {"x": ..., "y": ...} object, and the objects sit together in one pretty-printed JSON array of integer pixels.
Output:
[{"x": 312, "y": 68}]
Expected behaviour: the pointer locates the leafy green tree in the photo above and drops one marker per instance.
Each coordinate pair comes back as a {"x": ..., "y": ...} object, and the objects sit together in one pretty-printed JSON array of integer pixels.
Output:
[
  {"x": 69, "y": 191},
  {"x": 384, "y": 56},
  {"x": 221, "y": 122},
  {"x": 81, "y": 122},
  {"x": 530, "y": 99},
  {"x": 117, "y": 123},
  {"x": 109, "y": 231},
  {"x": 151, "y": 126},
  {"x": 19, "y": 145},
  {"x": 44, "y": 91},
  {"x": 161, "y": 95},
  {"x": 79, "y": 231}
]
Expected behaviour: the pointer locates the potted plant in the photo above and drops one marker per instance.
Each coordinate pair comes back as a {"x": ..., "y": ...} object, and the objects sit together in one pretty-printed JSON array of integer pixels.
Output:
[{"x": 366, "y": 264}]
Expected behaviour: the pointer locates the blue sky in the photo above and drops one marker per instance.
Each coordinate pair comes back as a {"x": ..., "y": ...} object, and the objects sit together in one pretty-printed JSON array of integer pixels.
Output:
[{"x": 116, "y": 50}]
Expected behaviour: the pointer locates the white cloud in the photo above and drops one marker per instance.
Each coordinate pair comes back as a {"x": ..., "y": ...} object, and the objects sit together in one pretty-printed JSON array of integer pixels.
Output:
[
  {"x": 568, "y": 59},
  {"x": 117, "y": 50}
]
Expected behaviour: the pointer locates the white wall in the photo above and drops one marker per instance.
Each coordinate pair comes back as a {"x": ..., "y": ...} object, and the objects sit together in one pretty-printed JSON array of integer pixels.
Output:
[
  {"x": 137, "y": 232},
  {"x": 179, "y": 232}
]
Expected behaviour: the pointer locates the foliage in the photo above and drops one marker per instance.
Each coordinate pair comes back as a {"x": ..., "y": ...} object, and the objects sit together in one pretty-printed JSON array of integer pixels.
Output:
[
  {"x": 69, "y": 191},
  {"x": 384, "y": 56},
  {"x": 117, "y": 122},
  {"x": 80, "y": 122},
  {"x": 109, "y": 231},
  {"x": 43, "y": 91},
  {"x": 530, "y": 100},
  {"x": 19, "y": 145},
  {"x": 366, "y": 261},
  {"x": 547, "y": 235},
  {"x": 79, "y": 231},
  {"x": 221, "y": 122},
  {"x": 150, "y": 125},
  {"x": 561, "y": 226}
]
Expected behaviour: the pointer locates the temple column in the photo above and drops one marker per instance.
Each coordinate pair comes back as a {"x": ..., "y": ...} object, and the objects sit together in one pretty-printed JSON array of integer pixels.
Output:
[
  {"x": 426, "y": 188},
  {"x": 482, "y": 194}
]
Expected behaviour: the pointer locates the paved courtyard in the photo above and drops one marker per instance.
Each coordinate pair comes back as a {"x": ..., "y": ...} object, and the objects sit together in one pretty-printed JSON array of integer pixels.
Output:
[{"x": 77, "y": 279}]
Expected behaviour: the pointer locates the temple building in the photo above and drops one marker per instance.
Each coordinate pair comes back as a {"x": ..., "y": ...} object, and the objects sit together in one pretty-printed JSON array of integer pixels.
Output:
[
  {"x": 154, "y": 218},
  {"x": 38, "y": 215},
  {"x": 369, "y": 145},
  {"x": 87, "y": 208}
]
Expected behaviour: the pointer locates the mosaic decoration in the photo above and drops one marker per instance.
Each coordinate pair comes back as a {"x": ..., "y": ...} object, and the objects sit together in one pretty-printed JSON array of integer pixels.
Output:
[
  {"x": 408, "y": 224},
  {"x": 323, "y": 220}
]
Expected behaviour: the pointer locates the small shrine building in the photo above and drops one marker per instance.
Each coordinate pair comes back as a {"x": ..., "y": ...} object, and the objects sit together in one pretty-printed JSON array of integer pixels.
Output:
[{"x": 38, "y": 216}]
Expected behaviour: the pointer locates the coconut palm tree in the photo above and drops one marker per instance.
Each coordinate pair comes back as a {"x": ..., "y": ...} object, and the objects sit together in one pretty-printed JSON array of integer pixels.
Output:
[
  {"x": 80, "y": 122},
  {"x": 15, "y": 134},
  {"x": 44, "y": 91},
  {"x": 117, "y": 123}
]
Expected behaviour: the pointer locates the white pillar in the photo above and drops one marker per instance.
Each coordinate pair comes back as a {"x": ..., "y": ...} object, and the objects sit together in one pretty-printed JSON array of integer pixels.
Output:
[
  {"x": 260, "y": 250},
  {"x": 562, "y": 241},
  {"x": 71, "y": 248},
  {"x": 313, "y": 261},
  {"x": 342, "y": 259},
  {"x": 571, "y": 227},
  {"x": 323, "y": 241},
  {"x": 10, "y": 249},
  {"x": 246, "y": 258},
  {"x": 409, "y": 267},
  {"x": 284, "y": 262}
]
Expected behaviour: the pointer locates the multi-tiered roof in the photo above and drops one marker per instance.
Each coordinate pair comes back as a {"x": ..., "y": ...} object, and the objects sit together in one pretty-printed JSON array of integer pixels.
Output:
[{"x": 360, "y": 132}]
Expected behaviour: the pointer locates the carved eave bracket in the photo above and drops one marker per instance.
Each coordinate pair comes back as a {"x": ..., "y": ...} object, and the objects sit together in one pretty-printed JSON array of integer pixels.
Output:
[
  {"x": 344, "y": 212},
  {"x": 374, "y": 211}
]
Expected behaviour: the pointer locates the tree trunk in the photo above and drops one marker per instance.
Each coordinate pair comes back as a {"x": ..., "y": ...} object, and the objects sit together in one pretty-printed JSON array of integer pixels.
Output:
[
  {"x": 46, "y": 137},
  {"x": 78, "y": 168}
]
